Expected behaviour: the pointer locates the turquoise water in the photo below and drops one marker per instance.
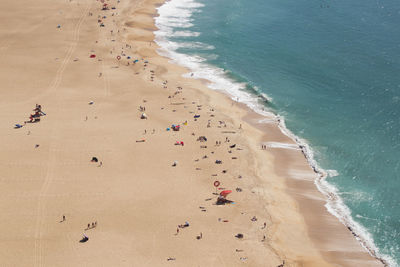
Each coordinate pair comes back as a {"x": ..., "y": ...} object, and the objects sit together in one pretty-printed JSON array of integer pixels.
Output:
[{"x": 331, "y": 70}]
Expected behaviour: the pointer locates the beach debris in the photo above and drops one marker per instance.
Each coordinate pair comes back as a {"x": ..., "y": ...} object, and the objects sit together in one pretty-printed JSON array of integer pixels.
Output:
[
  {"x": 92, "y": 56},
  {"x": 174, "y": 164},
  {"x": 143, "y": 116},
  {"x": 37, "y": 145},
  {"x": 238, "y": 189},
  {"x": 171, "y": 259},
  {"x": 141, "y": 141},
  {"x": 91, "y": 102},
  {"x": 94, "y": 159},
  {"x": 218, "y": 161},
  {"x": 254, "y": 219}
]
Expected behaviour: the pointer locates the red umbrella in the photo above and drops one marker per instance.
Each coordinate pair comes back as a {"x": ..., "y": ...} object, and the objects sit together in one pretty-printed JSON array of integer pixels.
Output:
[{"x": 225, "y": 193}]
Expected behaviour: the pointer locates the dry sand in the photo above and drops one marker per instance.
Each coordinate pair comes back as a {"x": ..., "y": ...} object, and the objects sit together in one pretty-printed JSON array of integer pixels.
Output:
[{"x": 136, "y": 197}]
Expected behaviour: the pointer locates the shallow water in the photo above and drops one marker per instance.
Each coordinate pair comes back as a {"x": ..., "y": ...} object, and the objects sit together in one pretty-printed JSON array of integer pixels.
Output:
[{"x": 330, "y": 68}]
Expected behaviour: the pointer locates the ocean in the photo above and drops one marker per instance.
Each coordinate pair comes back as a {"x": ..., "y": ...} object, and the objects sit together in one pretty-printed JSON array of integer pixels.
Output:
[{"x": 330, "y": 70}]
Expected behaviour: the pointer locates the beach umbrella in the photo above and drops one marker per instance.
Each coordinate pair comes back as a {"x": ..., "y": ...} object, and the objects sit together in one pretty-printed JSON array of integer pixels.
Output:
[{"x": 225, "y": 193}]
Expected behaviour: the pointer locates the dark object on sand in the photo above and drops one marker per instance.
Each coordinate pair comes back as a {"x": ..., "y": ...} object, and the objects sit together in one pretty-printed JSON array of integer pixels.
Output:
[
  {"x": 218, "y": 161},
  {"x": 199, "y": 236},
  {"x": 202, "y": 139},
  {"x": 240, "y": 236},
  {"x": 84, "y": 239},
  {"x": 232, "y": 146},
  {"x": 175, "y": 128},
  {"x": 222, "y": 201},
  {"x": 184, "y": 225},
  {"x": 94, "y": 159}
]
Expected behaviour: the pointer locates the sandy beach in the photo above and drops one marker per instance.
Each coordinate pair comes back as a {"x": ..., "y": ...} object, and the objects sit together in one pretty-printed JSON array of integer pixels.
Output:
[{"x": 107, "y": 94}]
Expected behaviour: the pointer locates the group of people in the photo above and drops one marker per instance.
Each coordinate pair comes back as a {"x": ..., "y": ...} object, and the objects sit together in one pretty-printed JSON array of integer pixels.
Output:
[
  {"x": 38, "y": 113},
  {"x": 263, "y": 147},
  {"x": 90, "y": 226}
]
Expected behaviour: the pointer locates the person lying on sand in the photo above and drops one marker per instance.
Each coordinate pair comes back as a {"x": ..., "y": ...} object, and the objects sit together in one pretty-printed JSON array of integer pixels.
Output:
[{"x": 184, "y": 225}]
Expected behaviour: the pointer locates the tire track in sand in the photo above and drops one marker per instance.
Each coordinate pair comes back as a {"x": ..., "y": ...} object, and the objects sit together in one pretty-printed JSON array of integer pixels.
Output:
[
  {"x": 40, "y": 211},
  {"x": 71, "y": 49}
]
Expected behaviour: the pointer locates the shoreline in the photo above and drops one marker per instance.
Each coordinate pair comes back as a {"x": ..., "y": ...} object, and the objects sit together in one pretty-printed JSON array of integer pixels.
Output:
[
  {"x": 144, "y": 186},
  {"x": 347, "y": 232}
]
